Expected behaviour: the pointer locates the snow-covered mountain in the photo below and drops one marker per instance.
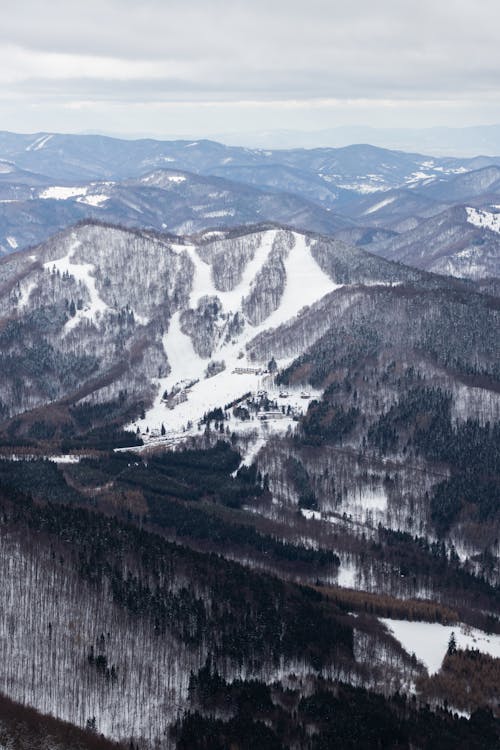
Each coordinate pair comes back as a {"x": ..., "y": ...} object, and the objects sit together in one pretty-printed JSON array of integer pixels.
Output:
[
  {"x": 460, "y": 241},
  {"x": 165, "y": 200},
  {"x": 379, "y": 199},
  {"x": 101, "y": 309},
  {"x": 357, "y": 168}
]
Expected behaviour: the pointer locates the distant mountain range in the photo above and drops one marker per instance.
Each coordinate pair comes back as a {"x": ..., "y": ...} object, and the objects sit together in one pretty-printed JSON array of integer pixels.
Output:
[
  {"x": 438, "y": 141},
  {"x": 362, "y": 194}
]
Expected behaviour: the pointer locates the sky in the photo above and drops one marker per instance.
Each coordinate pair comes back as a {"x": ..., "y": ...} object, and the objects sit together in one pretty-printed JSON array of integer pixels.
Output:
[{"x": 203, "y": 67}]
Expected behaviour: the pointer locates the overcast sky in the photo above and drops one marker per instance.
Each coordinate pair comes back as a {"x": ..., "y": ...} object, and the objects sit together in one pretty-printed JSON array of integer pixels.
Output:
[{"x": 201, "y": 67}]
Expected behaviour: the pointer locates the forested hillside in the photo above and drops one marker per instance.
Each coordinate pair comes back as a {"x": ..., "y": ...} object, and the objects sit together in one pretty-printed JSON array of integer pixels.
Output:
[{"x": 240, "y": 474}]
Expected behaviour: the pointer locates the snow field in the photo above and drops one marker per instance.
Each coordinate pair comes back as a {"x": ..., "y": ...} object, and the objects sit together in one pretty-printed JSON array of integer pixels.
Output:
[
  {"x": 59, "y": 193},
  {"x": 429, "y": 641},
  {"x": 82, "y": 195},
  {"x": 483, "y": 219}
]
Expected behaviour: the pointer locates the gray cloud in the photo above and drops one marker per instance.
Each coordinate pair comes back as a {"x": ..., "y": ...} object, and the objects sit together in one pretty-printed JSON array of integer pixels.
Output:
[{"x": 323, "y": 54}]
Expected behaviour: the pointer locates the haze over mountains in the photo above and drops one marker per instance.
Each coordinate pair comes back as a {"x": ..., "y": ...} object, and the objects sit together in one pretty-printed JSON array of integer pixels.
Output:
[{"x": 438, "y": 141}]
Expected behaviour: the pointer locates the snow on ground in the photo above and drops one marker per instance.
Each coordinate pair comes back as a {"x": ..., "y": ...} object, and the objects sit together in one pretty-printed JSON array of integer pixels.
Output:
[
  {"x": 416, "y": 178},
  {"x": 252, "y": 450},
  {"x": 39, "y": 143},
  {"x": 60, "y": 193},
  {"x": 67, "y": 458},
  {"x": 311, "y": 514},
  {"x": 380, "y": 205},
  {"x": 363, "y": 187},
  {"x": 12, "y": 242},
  {"x": 6, "y": 167},
  {"x": 365, "y": 502},
  {"x": 465, "y": 264},
  {"x": 347, "y": 574},
  {"x": 305, "y": 284},
  {"x": 231, "y": 301},
  {"x": 219, "y": 214},
  {"x": 483, "y": 219},
  {"x": 429, "y": 641},
  {"x": 26, "y": 290},
  {"x": 82, "y": 272},
  {"x": 97, "y": 199}
]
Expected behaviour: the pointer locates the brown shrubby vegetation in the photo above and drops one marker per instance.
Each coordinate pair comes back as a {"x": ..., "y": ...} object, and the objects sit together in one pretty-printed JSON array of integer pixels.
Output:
[{"x": 467, "y": 680}]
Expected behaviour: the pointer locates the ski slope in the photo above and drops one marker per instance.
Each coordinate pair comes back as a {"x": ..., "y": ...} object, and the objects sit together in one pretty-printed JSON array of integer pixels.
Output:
[{"x": 305, "y": 284}]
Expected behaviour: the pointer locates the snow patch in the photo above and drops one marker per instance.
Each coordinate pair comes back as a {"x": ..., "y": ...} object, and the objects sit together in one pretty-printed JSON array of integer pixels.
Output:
[
  {"x": 39, "y": 143},
  {"x": 12, "y": 242},
  {"x": 60, "y": 193},
  {"x": 380, "y": 205},
  {"x": 363, "y": 188},
  {"x": 347, "y": 574},
  {"x": 219, "y": 214},
  {"x": 429, "y": 641},
  {"x": 483, "y": 219},
  {"x": 97, "y": 200},
  {"x": 25, "y": 294},
  {"x": 418, "y": 177}
]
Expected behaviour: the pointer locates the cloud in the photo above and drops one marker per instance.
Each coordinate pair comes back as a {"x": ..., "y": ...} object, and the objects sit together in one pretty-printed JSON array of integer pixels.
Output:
[{"x": 303, "y": 54}]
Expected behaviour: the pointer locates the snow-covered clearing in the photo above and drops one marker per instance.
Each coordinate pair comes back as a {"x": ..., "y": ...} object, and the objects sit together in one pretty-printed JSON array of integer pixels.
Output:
[
  {"x": 82, "y": 272},
  {"x": 363, "y": 187},
  {"x": 483, "y": 219},
  {"x": 429, "y": 641},
  {"x": 61, "y": 193},
  {"x": 347, "y": 574},
  {"x": 366, "y": 502},
  {"x": 219, "y": 214}
]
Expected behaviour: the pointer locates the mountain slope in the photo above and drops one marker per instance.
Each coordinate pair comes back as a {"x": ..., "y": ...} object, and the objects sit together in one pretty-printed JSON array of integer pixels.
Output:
[
  {"x": 460, "y": 241},
  {"x": 99, "y": 307},
  {"x": 356, "y": 168},
  {"x": 312, "y": 445},
  {"x": 181, "y": 202}
]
